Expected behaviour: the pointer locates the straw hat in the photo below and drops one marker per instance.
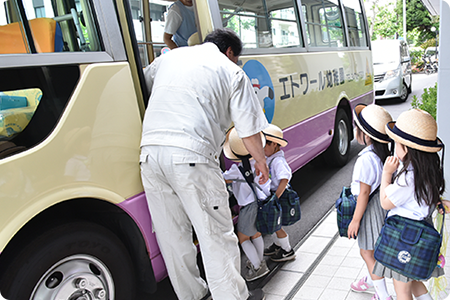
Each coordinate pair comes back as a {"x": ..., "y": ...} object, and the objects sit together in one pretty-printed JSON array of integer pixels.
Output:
[
  {"x": 234, "y": 146},
  {"x": 416, "y": 129},
  {"x": 371, "y": 119},
  {"x": 274, "y": 134}
]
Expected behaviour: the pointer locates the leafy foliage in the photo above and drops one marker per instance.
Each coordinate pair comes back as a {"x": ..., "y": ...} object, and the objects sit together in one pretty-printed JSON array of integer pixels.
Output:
[
  {"x": 386, "y": 21},
  {"x": 429, "y": 43},
  {"x": 416, "y": 56},
  {"x": 429, "y": 101}
]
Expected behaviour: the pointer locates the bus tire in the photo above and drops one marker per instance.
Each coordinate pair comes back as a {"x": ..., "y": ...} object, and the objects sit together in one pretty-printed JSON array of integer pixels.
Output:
[
  {"x": 71, "y": 260},
  {"x": 338, "y": 152}
]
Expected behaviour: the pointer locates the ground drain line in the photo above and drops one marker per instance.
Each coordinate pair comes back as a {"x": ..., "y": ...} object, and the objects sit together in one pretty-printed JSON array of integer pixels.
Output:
[{"x": 311, "y": 269}]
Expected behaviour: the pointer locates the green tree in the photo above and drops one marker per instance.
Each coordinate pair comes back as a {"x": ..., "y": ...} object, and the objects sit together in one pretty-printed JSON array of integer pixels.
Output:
[
  {"x": 386, "y": 21},
  {"x": 236, "y": 22},
  {"x": 419, "y": 18}
]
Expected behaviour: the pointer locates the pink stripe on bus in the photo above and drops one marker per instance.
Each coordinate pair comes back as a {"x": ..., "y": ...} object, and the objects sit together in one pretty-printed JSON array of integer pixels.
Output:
[{"x": 137, "y": 208}]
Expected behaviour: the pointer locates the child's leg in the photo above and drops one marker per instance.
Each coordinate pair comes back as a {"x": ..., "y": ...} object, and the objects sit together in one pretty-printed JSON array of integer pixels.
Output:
[
  {"x": 378, "y": 282},
  {"x": 258, "y": 242},
  {"x": 283, "y": 239},
  {"x": 420, "y": 291},
  {"x": 272, "y": 249},
  {"x": 403, "y": 290},
  {"x": 249, "y": 250}
]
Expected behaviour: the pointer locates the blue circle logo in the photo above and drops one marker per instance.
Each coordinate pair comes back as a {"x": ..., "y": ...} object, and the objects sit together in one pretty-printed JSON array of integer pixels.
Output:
[{"x": 262, "y": 84}]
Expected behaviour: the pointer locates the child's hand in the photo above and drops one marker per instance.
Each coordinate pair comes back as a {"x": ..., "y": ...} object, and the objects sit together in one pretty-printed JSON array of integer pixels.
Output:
[
  {"x": 391, "y": 164},
  {"x": 445, "y": 204},
  {"x": 353, "y": 229}
]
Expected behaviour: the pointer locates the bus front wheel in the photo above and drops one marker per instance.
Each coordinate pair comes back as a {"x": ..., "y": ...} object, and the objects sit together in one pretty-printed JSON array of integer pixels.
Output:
[
  {"x": 76, "y": 260},
  {"x": 337, "y": 153}
]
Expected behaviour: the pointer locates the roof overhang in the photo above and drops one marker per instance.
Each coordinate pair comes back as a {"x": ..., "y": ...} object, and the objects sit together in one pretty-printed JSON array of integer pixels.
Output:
[{"x": 433, "y": 6}]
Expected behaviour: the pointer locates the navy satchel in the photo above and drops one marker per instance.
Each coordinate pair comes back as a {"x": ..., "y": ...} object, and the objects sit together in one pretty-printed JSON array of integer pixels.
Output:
[
  {"x": 268, "y": 219},
  {"x": 345, "y": 208},
  {"x": 290, "y": 207},
  {"x": 409, "y": 247}
]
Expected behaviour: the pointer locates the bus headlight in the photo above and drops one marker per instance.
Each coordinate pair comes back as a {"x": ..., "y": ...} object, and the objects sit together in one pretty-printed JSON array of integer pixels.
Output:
[{"x": 392, "y": 73}]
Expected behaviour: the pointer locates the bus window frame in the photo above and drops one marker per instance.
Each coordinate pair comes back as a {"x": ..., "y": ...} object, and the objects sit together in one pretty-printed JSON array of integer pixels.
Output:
[
  {"x": 304, "y": 47},
  {"x": 112, "y": 42},
  {"x": 346, "y": 31},
  {"x": 217, "y": 23}
]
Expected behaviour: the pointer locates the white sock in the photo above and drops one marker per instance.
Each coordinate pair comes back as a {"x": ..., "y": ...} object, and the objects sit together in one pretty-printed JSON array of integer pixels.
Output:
[
  {"x": 424, "y": 297},
  {"x": 275, "y": 239},
  {"x": 252, "y": 254},
  {"x": 369, "y": 279},
  {"x": 380, "y": 288},
  {"x": 284, "y": 243},
  {"x": 259, "y": 246}
]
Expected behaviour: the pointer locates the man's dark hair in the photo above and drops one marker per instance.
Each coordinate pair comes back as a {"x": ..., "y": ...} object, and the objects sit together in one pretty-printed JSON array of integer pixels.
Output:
[{"x": 224, "y": 38}]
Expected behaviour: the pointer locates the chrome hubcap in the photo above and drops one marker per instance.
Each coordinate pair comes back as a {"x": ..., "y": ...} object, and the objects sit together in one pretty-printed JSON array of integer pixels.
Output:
[
  {"x": 78, "y": 277},
  {"x": 343, "y": 137}
]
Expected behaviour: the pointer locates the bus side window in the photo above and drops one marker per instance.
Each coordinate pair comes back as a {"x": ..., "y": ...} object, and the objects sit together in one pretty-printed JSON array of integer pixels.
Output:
[
  {"x": 17, "y": 107},
  {"x": 75, "y": 19},
  {"x": 356, "y": 24},
  {"x": 46, "y": 33},
  {"x": 55, "y": 26},
  {"x": 244, "y": 20},
  {"x": 323, "y": 23},
  {"x": 284, "y": 23},
  {"x": 263, "y": 23}
]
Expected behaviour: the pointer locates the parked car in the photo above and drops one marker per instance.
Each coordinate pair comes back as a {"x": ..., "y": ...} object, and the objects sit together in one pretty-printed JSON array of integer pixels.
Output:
[{"x": 392, "y": 69}]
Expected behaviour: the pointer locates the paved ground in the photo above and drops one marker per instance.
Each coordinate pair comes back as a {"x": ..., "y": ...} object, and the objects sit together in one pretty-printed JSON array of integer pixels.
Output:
[{"x": 325, "y": 266}]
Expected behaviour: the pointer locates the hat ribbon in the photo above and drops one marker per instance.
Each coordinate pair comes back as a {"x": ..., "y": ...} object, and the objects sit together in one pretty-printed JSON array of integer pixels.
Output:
[
  {"x": 271, "y": 135},
  {"x": 416, "y": 140},
  {"x": 372, "y": 130}
]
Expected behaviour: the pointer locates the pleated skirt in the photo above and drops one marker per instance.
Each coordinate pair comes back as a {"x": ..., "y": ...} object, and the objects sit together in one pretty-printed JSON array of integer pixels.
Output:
[
  {"x": 371, "y": 223},
  {"x": 383, "y": 271}
]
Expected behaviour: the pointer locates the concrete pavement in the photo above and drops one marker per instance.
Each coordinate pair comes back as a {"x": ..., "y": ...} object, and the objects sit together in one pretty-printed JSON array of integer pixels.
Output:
[{"x": 326, "y": 264}]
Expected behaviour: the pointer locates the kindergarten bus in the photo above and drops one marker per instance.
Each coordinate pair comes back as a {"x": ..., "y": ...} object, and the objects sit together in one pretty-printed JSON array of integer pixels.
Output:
[{"x": 74, "y": 222}]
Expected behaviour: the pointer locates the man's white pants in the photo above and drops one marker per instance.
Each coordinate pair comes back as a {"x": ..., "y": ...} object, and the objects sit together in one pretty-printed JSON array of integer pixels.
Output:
[{"x": 185, "y": 190}]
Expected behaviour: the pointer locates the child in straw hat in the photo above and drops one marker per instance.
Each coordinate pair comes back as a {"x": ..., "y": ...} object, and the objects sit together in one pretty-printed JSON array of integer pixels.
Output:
[
  {"x": 250, "y": 239},
  {"x": 416, "y": 188},
  {"x": 280, "y": 175},
  {"x": 369, "y": 216}
]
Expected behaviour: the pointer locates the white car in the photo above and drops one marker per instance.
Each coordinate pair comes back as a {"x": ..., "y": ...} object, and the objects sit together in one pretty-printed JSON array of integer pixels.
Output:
[{"x": 392, "y": 69}]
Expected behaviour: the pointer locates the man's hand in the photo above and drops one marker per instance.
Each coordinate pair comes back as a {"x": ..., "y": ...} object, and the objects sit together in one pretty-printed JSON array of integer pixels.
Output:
[{"x": 263, "y": 169}]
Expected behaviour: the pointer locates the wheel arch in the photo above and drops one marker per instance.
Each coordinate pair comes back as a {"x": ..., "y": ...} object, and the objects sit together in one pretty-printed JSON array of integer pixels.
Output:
[{"x": 97, "y": 211}]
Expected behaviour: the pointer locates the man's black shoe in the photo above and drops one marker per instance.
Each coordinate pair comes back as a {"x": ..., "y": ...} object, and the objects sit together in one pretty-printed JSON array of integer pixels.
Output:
[{"x": 257, "y": 294}]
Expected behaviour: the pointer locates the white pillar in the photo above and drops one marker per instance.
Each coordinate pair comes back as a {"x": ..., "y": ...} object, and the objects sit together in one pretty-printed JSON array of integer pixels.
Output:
[{"x": 443, "y": 92}]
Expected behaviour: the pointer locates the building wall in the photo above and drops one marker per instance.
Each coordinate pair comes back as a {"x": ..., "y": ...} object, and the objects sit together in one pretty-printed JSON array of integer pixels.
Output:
[{"x": 443, "y": 102}]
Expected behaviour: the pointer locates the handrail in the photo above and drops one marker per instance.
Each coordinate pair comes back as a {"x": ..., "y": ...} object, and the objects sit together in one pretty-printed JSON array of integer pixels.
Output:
[{"x": 151, "y": 43}]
